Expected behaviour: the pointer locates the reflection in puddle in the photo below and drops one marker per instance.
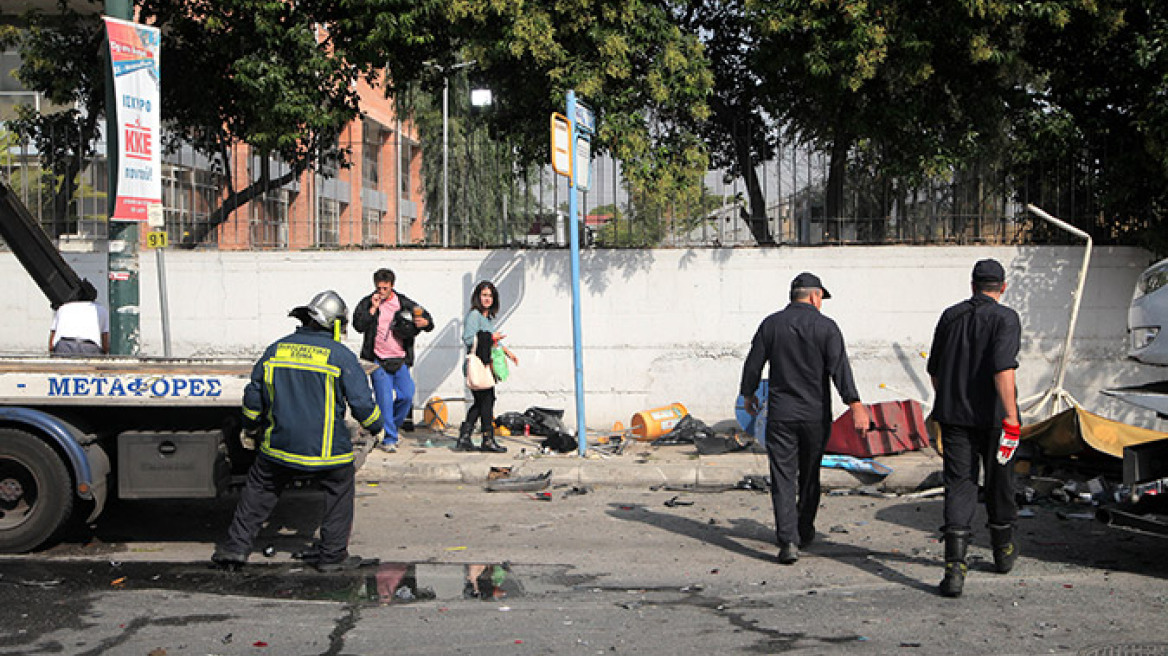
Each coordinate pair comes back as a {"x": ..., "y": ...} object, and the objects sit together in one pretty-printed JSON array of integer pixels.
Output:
[
  {"x": 387, "y": 583},
  {"x": 402, "y": 582}
]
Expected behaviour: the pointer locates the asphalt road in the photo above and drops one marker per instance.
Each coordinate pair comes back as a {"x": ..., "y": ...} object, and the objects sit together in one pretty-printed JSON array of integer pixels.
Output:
[{"x": 607, "y": 571}]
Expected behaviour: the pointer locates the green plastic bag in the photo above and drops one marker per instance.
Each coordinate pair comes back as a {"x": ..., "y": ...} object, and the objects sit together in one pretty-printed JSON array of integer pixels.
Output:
[{"x": 499, "y": 364}]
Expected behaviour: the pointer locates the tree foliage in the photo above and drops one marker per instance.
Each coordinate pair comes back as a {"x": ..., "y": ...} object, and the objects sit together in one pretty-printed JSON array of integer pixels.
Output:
[{"x": 645, "y": 79}]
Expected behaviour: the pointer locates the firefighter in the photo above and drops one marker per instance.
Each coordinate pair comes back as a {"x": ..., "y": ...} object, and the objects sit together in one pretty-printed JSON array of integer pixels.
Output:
[
  {"x": 971, "y": 364},
  {"x": 295, "y": 407}
]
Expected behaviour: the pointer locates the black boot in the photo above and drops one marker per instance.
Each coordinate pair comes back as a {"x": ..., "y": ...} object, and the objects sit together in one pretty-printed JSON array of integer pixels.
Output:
[
  {"x": 489, "y": 443},
  {"x": 1005, "y": 549},
  {"x": 464, "y": 443},
  {"x": 956, "y": 542}
]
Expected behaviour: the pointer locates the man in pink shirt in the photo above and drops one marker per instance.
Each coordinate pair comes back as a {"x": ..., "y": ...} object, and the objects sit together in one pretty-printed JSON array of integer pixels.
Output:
[{"x": 390, "y": 321}]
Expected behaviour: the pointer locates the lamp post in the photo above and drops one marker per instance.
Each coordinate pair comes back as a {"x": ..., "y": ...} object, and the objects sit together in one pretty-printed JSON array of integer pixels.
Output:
[{"x": 445, "y": 70}]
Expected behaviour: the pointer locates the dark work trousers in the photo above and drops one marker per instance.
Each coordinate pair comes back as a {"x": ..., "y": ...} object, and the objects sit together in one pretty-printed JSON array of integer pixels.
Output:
[
  {"x": 965, "y": 450},
  {"x": 795, "y": 451},
  {"x": 266, "y": 480},
  {"x": 483, "y": 409}
]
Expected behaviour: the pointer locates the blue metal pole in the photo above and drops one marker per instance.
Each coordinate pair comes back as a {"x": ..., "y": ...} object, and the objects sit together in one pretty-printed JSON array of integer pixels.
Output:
[{"x": 574, "y": 242}]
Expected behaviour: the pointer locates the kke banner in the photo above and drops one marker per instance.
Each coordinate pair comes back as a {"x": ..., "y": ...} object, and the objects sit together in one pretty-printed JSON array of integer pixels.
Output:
[{"x": 134, "y": 51}]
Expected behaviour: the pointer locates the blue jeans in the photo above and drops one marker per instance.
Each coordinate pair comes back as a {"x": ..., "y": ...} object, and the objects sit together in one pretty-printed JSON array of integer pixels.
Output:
[{"x": 394, "y": 391}]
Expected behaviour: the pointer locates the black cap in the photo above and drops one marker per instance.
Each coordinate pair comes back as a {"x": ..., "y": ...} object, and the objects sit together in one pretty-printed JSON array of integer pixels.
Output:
[
  {"x": 808, "y": 280},
  {"x": 988, "y": 271}
]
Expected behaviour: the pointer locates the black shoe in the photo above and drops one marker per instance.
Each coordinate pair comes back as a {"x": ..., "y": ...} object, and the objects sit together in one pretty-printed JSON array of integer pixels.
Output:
[
  {"x": 352, "y": 562},
  {"x": 806, "y": 538},
  {"x": 788, "y": 553},
  {"x": 228, "y": 559},
  {"x": 1005, "y": 548},
  {"x": 490, "y": 445},
  {"x": 464, "y": 443},
  {"x": 953, "y": 583}
]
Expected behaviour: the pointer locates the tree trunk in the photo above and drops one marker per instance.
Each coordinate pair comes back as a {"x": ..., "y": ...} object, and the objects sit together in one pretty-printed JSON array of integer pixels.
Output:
[
  {"x": 836, "y": 176},
  {"x": 756, "y": 218},
  {"x": 236, "y": 200}
]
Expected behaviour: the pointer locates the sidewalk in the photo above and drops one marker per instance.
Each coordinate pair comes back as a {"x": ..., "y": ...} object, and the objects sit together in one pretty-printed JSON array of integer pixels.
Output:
[{"x": 425, "y": 455}]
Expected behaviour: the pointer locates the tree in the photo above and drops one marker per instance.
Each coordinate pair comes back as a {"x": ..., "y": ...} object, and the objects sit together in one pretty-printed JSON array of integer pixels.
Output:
[
  {"x": 58, "y": 60},
  {"x": 739, "y": 134},
  {"x": 1102, "y": 107},
  {"x": 924, "y": 87},
  {"x": 278, "y": 76},
  {"x": 645, "y": 79}
]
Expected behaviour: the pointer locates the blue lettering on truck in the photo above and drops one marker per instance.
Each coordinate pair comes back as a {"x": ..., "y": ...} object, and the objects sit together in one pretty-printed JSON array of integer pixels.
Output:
[{"x": 153, "y": 386}]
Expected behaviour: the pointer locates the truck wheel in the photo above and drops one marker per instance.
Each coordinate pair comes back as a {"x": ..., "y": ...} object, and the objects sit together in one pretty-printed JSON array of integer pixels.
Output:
[{"x": 36, "y": 495}]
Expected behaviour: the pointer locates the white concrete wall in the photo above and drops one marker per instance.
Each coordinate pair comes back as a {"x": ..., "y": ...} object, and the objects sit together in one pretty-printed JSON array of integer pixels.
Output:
[{"x": 659, "y": 326}]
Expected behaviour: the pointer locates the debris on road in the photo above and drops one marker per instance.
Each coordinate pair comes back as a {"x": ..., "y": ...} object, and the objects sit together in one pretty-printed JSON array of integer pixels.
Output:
[{"x": 510, "y": 483}]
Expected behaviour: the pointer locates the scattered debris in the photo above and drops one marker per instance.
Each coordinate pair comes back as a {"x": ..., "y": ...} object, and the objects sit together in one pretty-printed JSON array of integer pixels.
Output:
[
  {"x": 520, "y": 483},
  {"x": 856, "y": 465}
]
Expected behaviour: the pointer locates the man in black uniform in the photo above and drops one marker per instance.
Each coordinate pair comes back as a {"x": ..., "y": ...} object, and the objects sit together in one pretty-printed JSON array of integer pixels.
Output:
[
  {"x": 972, "y": 363},
  {"x": 804, "y": 349},
  {"x": 297, "y": 397}
]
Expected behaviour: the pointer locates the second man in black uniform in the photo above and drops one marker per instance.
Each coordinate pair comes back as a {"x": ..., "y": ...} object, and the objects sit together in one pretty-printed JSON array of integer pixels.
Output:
[{"x": 972, "y": 363}]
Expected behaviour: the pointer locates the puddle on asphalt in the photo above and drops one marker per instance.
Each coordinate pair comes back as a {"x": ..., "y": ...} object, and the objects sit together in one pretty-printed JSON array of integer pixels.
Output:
[{"x": 385, "y": 583}]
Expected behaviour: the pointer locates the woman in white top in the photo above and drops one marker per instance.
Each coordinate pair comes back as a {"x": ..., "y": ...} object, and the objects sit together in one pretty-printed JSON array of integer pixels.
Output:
[{"x": 481, "y": 320}]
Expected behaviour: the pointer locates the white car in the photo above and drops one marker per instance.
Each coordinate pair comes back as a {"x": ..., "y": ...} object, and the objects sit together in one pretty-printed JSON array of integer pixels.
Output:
[{"x": 1148, "y": 316}]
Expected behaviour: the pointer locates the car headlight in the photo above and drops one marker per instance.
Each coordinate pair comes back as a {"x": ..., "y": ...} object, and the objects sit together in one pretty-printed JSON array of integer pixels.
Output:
[
  {"x": 1152, "y": 279},
  {"x": 1143, "y": 337}
]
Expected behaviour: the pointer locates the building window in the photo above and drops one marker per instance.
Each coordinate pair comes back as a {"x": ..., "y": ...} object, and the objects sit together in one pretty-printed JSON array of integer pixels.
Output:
[
  {"x": 189, "y": 196},
  {"x": 269, "y": 219},
  {"x": 371, "y": 227},
  {"x": 407, "y": 156},
  {"x": 328, "y": 222},
  {"x": 372, "y": 138}
]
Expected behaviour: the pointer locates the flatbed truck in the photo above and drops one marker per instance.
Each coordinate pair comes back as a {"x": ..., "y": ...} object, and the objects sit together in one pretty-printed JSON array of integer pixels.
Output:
[{"x": 74, "y": 432}]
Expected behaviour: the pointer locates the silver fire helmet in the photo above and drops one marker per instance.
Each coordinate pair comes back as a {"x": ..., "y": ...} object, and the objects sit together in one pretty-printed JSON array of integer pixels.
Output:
[{"x": 325, "y": 309}]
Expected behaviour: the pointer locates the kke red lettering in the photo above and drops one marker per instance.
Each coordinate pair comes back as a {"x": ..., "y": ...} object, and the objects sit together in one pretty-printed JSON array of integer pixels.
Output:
[{"x": 138, "y": 144}]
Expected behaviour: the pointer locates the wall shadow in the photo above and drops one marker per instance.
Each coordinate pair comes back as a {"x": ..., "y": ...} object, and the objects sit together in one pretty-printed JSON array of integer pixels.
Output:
[{"x": 444, "y": 352}]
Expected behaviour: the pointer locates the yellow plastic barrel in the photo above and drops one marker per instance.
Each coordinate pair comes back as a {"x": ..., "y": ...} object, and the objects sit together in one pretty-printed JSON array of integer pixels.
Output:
[{"x": 653, "y": 423}]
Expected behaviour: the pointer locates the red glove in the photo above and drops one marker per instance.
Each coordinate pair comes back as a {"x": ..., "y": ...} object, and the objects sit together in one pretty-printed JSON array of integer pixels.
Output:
[{"x": 1009, "y": 442}]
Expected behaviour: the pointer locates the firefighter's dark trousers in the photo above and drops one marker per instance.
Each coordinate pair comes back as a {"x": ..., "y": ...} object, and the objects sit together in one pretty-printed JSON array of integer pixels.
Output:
[{"x": 266, "y": 480}]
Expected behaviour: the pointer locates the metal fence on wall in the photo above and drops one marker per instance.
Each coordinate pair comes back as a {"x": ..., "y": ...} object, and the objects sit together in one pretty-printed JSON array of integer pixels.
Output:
[{"x": 340, "y": 208}]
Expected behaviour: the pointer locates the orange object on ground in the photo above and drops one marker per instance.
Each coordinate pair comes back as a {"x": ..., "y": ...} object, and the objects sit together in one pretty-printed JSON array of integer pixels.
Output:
[{"x": 651, "y": 424}]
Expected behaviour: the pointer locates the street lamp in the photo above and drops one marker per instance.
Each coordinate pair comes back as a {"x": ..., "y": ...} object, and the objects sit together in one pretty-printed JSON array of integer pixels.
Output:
[{"x": 445, "y": 70}]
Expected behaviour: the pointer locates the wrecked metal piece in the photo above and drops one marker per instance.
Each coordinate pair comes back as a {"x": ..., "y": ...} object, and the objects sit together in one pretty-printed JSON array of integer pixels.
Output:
[
  {"x": 695, "y": 489},
  {"x": 754, "y": 482},
  {"x": 925, "y": 494},
  {"x": 872, "y": 491},
  {"x": 498, "y": 472},
  {"x": 521, "y": 483},
  {"x": 674, "y": 502}
]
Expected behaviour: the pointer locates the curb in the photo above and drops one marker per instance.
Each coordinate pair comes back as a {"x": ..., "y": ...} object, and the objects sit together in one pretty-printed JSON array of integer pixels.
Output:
[{"x": 910, "y": 471}]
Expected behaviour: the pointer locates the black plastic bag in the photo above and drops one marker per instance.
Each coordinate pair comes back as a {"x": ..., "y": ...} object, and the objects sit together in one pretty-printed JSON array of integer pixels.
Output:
[
  {"x": 546, "y": 421},
  {"x": 560, "y": 442},
  {"x": 687, "y": 431},
  {"x": 516, "y": 422},
  {"x": 712, "y": 445}
]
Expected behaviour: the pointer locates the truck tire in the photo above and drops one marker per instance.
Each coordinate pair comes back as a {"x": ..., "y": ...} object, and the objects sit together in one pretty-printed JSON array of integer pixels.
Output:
[{"x": 36, "y": 492}]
